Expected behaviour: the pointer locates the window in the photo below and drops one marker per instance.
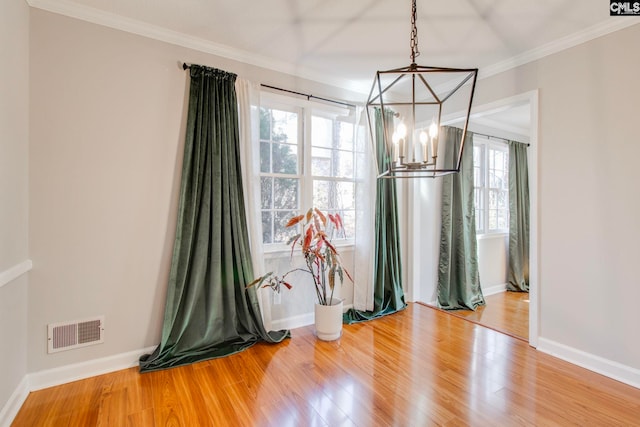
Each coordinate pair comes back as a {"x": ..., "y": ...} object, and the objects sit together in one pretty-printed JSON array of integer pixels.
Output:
[
  {"x": 279, "y": 171},
  {"x": 491, "y": 186},
  {"x": 307, "y": 156}
]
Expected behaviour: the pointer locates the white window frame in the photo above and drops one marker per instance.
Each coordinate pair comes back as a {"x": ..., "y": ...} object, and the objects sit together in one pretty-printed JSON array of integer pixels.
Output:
[
  {"x": 487, "y": 145},
  {"x": 305, "y": 109}
]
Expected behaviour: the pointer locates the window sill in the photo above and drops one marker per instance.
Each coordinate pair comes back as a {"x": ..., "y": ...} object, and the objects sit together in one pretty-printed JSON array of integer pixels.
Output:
[
  {"x": 285, "y": 251},
  {"x": 485, "y": 236}
]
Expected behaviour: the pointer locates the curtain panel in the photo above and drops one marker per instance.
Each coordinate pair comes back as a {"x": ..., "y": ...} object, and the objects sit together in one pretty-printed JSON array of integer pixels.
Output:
[
  {"x": 365, "y": 216},
  {"x": 388, "y": 294},
  {"x": 518, "y": 275},
  {"x": 249, "y": 123},
  {"x": 209, "y": 312},
  {"x": 458, "y": 275}
]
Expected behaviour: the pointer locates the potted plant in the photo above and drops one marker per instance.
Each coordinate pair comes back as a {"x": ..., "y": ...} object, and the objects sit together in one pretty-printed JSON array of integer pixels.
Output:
[{"x": 324, "y": 265}]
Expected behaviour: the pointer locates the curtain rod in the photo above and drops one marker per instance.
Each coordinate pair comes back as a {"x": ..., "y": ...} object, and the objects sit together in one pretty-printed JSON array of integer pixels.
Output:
[
  {"x": 308, "y": 96},
  {"x": 497, "y": 137},
  {"x": 186, "y": 66}
]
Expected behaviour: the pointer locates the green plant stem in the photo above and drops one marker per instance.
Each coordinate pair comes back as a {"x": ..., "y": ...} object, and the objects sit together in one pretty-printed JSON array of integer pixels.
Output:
[{"x": 315, "y": 279}]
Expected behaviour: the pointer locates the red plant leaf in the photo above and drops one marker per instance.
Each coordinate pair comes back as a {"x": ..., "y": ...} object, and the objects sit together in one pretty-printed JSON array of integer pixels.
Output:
[
  {"x": 330, "y": 246},
  {"x": 293, "y": 221},
  {"x": 322, "y": 217},
  {"x": 332, "y": 218},
  {"x": 287, "y": 285},
  {"x": 339, "y": 224},
  {"x": 308, "y": 237}
]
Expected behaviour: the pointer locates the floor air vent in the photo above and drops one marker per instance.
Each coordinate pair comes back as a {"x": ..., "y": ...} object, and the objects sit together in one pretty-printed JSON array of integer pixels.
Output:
[{"x": 69, "y": 335}]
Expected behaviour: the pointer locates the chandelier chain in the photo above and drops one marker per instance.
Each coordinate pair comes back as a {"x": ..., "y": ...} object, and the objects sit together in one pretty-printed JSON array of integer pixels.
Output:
[{"x": 414, "y": 34}]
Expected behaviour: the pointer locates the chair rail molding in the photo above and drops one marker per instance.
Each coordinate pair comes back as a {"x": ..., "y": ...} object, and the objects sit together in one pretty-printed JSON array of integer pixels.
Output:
[{"x": 14, "y": 272}]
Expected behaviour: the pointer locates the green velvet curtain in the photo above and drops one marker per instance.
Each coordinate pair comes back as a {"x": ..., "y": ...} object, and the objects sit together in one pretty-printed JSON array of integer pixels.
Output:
[
  {"x": 518, "y": 218},
  {"x": 388, "y": 296},
  {"x": 209, "y": 313},
  {"x": 458, "y": 276}
]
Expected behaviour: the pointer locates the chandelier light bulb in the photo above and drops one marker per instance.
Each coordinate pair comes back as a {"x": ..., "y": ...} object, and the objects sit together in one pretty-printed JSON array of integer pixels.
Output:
[
  {"x": 402, "y": 130},
  {"x": 423, "y": 137},
  {"x": 433, "y": 130}
]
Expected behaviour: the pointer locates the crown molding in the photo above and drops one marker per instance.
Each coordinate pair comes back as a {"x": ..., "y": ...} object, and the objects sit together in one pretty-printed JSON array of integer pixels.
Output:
[
  {"x": 609, "y": 26},
  {"x": 134, "y": 26},
  {"x": 111, "y": 20}
]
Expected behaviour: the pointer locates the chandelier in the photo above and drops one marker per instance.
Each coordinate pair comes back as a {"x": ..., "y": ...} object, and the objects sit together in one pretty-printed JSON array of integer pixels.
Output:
[{"x": 405, "y": 110}]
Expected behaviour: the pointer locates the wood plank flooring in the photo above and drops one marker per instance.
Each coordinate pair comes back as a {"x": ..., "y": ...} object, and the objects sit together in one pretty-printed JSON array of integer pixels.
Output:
[
  {"x": 420, "y": 367},
  {"x": 506, "y": 312}
]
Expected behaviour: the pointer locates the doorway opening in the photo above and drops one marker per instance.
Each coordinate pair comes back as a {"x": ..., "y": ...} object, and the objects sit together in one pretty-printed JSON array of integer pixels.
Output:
[{"x": 513, "y": 313}]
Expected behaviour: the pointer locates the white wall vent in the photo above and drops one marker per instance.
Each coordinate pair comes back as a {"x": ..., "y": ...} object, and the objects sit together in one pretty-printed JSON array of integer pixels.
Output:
[{"x": 69, "y": 335}]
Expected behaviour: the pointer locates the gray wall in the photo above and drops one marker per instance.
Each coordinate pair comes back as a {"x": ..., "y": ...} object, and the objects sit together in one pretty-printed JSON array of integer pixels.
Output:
[
  {"x": 14, "y": 139},
  {"x": 107, "y": 130},
  {"x": 588, "y": 200}
]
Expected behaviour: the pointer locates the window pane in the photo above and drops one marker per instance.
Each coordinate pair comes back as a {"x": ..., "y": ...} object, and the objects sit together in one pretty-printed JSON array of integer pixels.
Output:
[
  {"x": 479, "y": 221},
  {"x": 491, "y": 192},
  {"x": 477, "y": 155},
  {"x": 333, "y": 196},
  {"x": 284, "y": 158},
  {"x": 503, "y": 220},
  {"x": 345, "y": 136},
  {"x": 285, "y": 127},
  {"x": 477, "y": 176},
  {"x": 265, "y": 123},
  {"x": 493, "y": 199},
  {"x": 345, "y": 195},
  {"x": 265, "y": 157},
  {"x": 285, "y": 193},
  {"x": 497, "y": 179},
  {"x": 331, "y": 163},
  {"x": 321, "y": 132},
  {"x": 283, "y": 153},
  {"x": 345, "y": 164},
  {"x": 349, "y": 223},
  {"x": 322, "y": 194},
  {"x": 477, "y": 198},
  {"x": 503, "y": 200},
  {"x": 266, "y": 192},
  {"x": 500, "y": 159},
  {"x": 267, "y": 227},
  {"x": 321, "y": 161},
  {"x": 281, "y": 233},
  {"x": 493, "y": 219}
]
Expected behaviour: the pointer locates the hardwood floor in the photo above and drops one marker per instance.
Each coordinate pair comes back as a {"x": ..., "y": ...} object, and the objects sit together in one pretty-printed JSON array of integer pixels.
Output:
[
  {"x": 507, "y": 312},
  {"x": 415, "y": 368}
]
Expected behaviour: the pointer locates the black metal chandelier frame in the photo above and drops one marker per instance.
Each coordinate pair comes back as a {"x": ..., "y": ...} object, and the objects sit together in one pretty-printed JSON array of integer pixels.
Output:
[{"x": 399, "y": 166}]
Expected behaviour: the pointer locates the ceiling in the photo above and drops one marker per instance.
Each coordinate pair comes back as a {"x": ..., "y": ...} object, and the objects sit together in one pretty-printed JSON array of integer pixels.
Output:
[{"x": 344, "y": 42}]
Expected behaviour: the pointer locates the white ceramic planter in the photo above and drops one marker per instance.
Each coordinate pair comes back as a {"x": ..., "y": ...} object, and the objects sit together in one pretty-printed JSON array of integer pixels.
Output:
[{"x": 328, "y": 319}]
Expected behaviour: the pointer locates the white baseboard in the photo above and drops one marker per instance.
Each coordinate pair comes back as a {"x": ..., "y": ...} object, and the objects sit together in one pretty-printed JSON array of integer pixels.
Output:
[
  {"x": 606, "y": 367},
  {"x": 293, "y": 322},
  {"x": 13, "y": 405},
  {"x": 492, "y": 290},
  {"x": 66, "y": 374},
  {"x": 299, "y": 321},
  {"x": 91, "y": 368}
]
